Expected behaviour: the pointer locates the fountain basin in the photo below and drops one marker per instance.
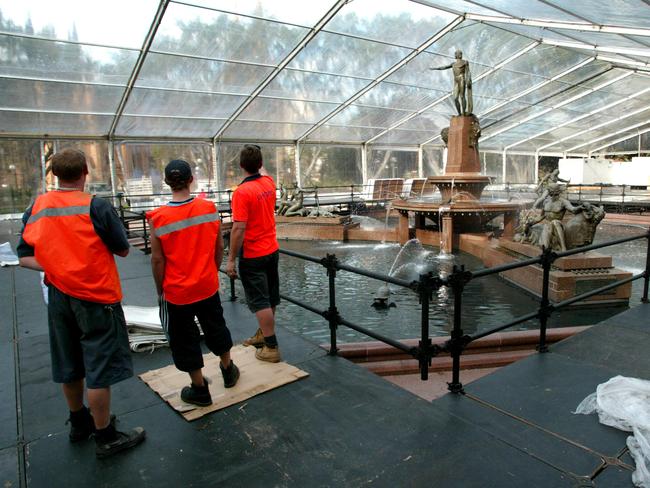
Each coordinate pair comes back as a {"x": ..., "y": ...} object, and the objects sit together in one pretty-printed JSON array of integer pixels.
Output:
[{"x": 455, "y": 217}]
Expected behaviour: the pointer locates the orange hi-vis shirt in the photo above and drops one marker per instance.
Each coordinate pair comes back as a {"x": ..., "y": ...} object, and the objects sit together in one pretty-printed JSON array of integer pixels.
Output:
[
  {"x": 188, "y": 234},
  {"x": 254, "y": 203},
  {"x": 75, "y": 259}
]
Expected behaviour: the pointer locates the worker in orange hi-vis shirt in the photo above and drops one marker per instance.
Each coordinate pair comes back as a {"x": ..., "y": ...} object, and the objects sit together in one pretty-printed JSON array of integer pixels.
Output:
[
  {"x": 186, "y": 252},
  {"x": 252, "y": 239},
  {"x": 72, "y": 237}
]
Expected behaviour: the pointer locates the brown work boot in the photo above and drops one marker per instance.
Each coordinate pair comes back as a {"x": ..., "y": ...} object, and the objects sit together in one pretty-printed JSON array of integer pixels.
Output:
[
  {"x": 257, "y": 340},
  {"x": 268, "y": 354}
]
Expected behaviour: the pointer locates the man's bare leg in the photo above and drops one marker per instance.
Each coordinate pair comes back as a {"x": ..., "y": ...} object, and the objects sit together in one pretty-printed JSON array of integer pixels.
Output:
[
  {"x": 74, "y": 395},
  {"x": 197, "y": 377},
  {"x": 266, "y": 320},
  {"x": 99, "y": 400}
]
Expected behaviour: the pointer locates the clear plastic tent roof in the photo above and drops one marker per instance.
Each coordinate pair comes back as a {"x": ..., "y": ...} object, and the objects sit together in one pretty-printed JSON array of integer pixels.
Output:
[{"x": 548, "y": 76}]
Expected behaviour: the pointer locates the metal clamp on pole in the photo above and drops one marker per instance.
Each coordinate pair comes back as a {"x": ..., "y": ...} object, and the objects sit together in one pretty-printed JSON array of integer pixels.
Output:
[
  {"x": 545, "y": 308},
  {"x": 646, "y": 277},
  {"x": 424, "y": 347},
  {"x": 330, "y": 262},
  {"x": 457, "y": 281}
]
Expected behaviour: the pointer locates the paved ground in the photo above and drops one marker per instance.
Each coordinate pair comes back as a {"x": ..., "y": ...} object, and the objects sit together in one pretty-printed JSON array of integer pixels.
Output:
[{"x": 342, "y": 426}]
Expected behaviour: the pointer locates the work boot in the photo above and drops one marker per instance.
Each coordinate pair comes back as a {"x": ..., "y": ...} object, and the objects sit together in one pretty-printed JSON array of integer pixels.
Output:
[
  {"x": 82, "y": 424},
  {"x": 109, "y": 441},
  {"x": 197, "y": 395},
  {"x": 268, "y": 354},
  {"x": 230, "y": 374},
  {"x": 257, "y": 340}
]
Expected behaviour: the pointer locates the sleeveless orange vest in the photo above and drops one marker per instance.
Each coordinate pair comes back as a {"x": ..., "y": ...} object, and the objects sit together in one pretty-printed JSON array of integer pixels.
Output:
[
  {"x": 188, "y": 235},
  {"x": 65, "y": 243}
]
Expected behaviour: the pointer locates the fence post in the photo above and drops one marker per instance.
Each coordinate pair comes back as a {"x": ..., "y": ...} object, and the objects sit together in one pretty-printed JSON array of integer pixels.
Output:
[
  {"x": 457, "y": 280},
  {"x": 145, "y": 235},
  {"x": 424, "y": 290},
  {"x": 330, "y": 263},
  {"x": 646, "y": 278},
  {"x": 548, "y": 256}
]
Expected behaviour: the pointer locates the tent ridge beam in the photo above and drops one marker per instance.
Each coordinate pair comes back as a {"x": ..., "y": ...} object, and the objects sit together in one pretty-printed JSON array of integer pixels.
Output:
[{"x": 162, "y": 7}]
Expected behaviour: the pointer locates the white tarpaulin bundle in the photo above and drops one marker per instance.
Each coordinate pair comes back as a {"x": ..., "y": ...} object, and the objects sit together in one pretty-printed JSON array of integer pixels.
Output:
[
  {"x": 145, "y": 330},
  {"x": 7, "y": 256},
  {"x": 624, "y": 403}
]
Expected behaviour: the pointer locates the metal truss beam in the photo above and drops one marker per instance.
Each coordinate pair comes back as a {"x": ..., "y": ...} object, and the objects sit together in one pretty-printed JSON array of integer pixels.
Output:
[
  {"x": 296, "y": 50},
  {"x": 525, "y": 92},
  {"x": 621, "y": 139},
  {"x": 620, "y": 131},
  {"x": 448, "y": 28},
  {"x": 603, "y": 124},
  {"x": 497, "y": 67},
  {"x": 556, "y": 106},
  {"x": 550, "y": 24},
  {"x": 581, "y": 117},
  {"x": 162, "y": 6}
]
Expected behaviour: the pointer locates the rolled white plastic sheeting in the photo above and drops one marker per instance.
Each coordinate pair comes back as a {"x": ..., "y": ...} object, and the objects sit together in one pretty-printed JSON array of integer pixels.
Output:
[
  {"x": 624, "y": 403},
  {"x": 7, "y": 255},
  {"x": 145, "y": 330}
]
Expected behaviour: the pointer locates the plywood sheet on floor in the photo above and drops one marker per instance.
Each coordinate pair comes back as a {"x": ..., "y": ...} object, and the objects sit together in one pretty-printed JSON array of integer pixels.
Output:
[{"x": 256, "y": 377}]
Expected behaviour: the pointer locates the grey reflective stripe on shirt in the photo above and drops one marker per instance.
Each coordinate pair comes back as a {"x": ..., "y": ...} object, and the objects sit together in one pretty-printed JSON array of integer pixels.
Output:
[
  {"x": 185, "y": 223},
  {"x": 60, "y": 212}
]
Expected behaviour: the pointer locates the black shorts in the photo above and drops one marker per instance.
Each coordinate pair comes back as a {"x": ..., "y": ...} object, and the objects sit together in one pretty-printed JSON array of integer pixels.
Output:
[
  {"x": 87, "y": 340},
  {"x": 183, "y": 333},
  {"x": 261, "y": 281}
]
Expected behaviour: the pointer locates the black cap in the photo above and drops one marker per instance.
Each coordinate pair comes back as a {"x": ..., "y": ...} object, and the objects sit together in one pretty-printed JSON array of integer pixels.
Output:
[{"x": 178, "y": 170}]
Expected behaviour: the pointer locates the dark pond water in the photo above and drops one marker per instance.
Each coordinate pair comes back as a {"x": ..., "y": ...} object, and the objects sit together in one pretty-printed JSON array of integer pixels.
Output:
[{"x": 487, "y": 302}]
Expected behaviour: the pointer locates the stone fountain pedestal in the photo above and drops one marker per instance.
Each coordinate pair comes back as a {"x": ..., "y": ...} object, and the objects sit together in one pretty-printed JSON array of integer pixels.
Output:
[{"x": 460, "y": 209}]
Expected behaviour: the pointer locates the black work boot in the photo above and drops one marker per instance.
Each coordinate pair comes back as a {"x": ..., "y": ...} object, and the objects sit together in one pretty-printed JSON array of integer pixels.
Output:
[
  {"x": 82, "y": 425},
  {"x": 230, "y": 374},
  {"x": 197, "y": 395},
  {"x": 109, "y": 441}
]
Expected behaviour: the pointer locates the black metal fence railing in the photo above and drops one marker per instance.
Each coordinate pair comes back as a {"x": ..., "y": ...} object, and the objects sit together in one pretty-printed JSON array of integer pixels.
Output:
[{"x": 456, "y": 281}]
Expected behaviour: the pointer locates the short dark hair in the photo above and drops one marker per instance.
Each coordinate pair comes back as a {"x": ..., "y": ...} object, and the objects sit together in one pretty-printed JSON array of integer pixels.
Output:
[
  {"x": 178, "y": 174},
  {"x": 250, "y": 158},
  {"x": 69, "y": 164}
]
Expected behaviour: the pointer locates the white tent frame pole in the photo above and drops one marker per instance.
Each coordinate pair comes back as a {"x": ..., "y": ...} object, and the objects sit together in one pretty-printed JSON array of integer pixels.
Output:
[
  {"x": 504, "y": 174},
  {"x": 442, "y": 32},
  {"x": 43, "y": 172},
  {"x": 296, "y": 159},
  {"x": 364, "y": 163},
  {"x": 420, "y": 162},
  {"x": 445, "y": 97},
  {"x": 556, "y": 106},
  {"x": 526, "y": 92},
  {"x": 313, "y": 32},
  {"x": 111, "y": 165},
  {"x": 215, "y": 165}
]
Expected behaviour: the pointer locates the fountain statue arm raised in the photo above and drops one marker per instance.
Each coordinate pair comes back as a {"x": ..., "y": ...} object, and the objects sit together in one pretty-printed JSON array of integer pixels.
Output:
[{"x": 462, "y": 92}]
